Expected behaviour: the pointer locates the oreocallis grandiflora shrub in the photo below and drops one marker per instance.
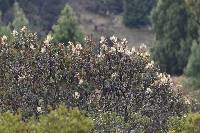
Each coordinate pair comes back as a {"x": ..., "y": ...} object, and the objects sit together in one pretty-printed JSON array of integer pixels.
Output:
[{"x": 99, "y": 78}]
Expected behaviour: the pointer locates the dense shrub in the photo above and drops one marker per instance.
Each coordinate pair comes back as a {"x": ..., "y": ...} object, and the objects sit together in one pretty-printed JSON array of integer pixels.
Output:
[
  {"x": 61, "y": 120},
  {"x": 186, "y": 124},
  {"x": 112, "y": 122},
  {"x": 175, "y": 30},
  {"x": 98, "y": 80}
]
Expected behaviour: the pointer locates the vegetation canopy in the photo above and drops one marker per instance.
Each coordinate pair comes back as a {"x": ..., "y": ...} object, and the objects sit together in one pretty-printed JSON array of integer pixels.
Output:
[{"x": 105, "y": 79}]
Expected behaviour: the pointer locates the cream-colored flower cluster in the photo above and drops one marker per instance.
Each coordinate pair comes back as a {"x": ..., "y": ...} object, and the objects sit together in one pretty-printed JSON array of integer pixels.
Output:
[
  {"x": 47, "y": 43},
  {"x": 163, "y": 79},
  {"x": 118, "y": 46},
  {"x": 150, "y": 65},
  {"x": 4, "y": 39},
  {"x": 76, "y": 49}
]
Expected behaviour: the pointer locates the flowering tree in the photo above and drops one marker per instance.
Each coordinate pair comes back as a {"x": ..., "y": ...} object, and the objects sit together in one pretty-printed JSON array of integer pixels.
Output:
[{"x": 126, "y": 83}]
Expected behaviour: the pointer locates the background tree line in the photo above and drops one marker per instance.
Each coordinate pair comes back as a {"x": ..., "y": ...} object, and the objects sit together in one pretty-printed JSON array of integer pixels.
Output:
[
  {"x": 43, "y": 14},
  {"x": 176, "y": 25}
]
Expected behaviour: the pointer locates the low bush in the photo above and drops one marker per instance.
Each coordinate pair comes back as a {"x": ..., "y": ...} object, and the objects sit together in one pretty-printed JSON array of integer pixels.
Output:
[
  {"x": 187, "y": 124},
  {"x": 62, "y": 120}
]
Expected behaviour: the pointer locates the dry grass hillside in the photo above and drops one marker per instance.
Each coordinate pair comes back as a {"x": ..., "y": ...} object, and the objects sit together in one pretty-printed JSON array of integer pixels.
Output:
[
  {"x": 98, "y": 25},
  {"x": 112, "y": 25}
]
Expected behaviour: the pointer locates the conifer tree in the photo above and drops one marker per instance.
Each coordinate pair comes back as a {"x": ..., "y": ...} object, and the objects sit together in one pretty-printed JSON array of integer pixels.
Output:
[
  {"x": 194, "y": 5},
  {"x": 4, "y": 30},
  {"x": 67, "y": 28},
  {"x": 193, "y": 67},
  {"x": 20, "y": 19},
  {"x": 175, "y": 31},
  {"x": 1, "y": 18}
]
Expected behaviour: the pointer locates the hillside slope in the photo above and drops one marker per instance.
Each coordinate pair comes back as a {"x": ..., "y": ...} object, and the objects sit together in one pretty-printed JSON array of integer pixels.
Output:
[
  {"x": 112, "y": 25},
  {"x": 43, "y": 14}
]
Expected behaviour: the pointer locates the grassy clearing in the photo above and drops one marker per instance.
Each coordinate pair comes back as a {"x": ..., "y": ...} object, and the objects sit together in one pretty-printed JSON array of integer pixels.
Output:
[
  {"x": 98, "y": 25},
  {"x": 187, "y": 88}
]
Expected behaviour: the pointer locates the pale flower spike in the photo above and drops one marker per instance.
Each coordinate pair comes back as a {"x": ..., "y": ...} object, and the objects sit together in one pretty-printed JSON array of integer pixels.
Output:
[
  {"x": 133, "y": 50},
  {"x": 113, "y": 38},
  {"x": 102, "y": 39},
  {"x": 48, "y": 39},
  {"x": 143, "y": 46},
  {"x": 70, "y": 43},
  {"x": 4, "y": 38},
  {"x": 43, "y": 50},
  {"x": 24, "y": 28},
  {"x": 80, "y": 81},
  {"x": 15, "y": 33},
  {"x": 32, "y": 47},
  {"x": 76, "y": 95}
]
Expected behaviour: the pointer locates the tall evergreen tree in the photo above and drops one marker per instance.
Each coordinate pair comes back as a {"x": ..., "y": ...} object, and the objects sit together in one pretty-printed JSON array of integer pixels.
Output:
[
  {"x": 175, "y": 31},
  {"x": 193, "y": 67},
  {"x": 136, "y": 12},
  {"x": 194, "y": 9},
  {"x": 20, "y": 19},
  {"x": 67, "y": 28}
]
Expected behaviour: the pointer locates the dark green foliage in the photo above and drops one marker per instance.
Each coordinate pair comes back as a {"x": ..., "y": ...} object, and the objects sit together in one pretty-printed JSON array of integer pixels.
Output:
[
  {"x": 105, "y": 6},
  {"x": 4, "y": 30},
  {"x": 67, "y": 28},
  {"x": 41, "y": 14},
  {"x": 60, "y": 120},
  {"x": 175, "y": 32},
  {"x": 136, "y": 12},
  {"x": 194, "y": 5},
  {"x": 193, "y": 67},
  {"x": 5, "y": 4},
  {"x": 112, "y": 122}
]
